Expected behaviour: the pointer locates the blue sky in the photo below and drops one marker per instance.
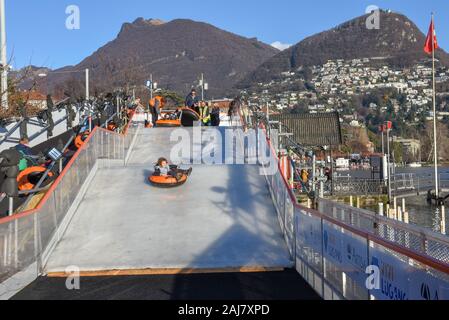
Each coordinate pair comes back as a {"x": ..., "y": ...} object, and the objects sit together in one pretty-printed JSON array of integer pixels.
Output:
[{"x": 37, "y": 34}]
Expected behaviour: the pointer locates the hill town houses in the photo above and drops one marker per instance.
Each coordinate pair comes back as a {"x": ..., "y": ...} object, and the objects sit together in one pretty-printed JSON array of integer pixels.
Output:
[{"x": 333, "y": 85}]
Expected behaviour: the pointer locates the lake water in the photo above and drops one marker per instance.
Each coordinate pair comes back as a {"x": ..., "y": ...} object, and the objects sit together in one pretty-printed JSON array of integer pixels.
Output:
[
  {"x": 420, "y": 211},
  {"x": 423, "y": 214}
]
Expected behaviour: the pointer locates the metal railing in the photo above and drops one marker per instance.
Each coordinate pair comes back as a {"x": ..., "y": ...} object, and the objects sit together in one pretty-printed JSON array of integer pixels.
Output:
[
  {"x": 401, "y": 184},
  {"x": 27, "y": 239},
  {"x": 410, "y": 182},
  {"x": 416, "y": 238},
  {"x": 334, "y": 247},
  {"x": 344, "y": 187},
  {"x": 38, "y": 126}
]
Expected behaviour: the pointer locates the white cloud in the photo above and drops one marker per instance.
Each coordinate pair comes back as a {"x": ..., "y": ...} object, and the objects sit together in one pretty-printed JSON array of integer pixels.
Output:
[{"x": 281, "y": 46}]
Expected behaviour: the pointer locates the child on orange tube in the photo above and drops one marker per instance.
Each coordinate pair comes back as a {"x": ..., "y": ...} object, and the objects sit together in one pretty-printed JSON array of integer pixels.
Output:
[{"x": 163, "y": 169}]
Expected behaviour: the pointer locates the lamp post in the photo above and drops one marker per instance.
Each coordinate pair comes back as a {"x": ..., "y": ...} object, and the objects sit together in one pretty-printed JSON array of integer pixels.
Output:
[
  {"x": 3, "y": 54},
  {"x": 152, "y": 86},
  {"x": 388, "y": 127},
  {"x": 382, "y": 130},
  {"x": 87, "y": 84},
  {"x": 87, "y": 98},
  {"x": 204, "y": 86}
]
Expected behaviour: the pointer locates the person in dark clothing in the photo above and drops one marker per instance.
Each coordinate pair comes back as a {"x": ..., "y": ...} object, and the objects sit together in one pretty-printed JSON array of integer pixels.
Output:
[
  {"x": 154, "y": 112},
  {"x": 328, "y": 174},
  {"x": 50, "y": 104},
  {"x": 155, "y": 108},
  {"x": 24, "y": 148},
  {"x": 26, "y": 153},
  {"x": 192, "y": 101},
  {"x": 215, "y": 115}
]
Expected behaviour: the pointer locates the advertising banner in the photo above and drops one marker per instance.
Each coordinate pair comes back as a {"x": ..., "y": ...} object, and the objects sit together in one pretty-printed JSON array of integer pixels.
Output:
[
  {"x": 309, "y": 239},
  {"x": 402, "y": 280},
  {"x": 289, "y": 223},
  {"x": 346, "y": 251}
]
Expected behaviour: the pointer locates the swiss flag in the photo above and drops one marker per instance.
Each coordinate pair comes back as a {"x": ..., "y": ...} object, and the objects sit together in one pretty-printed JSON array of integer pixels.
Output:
[{"x": 431, "y": 40}]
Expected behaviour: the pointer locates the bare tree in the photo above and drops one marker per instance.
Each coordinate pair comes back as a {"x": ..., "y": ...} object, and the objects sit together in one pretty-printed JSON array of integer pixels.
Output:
[
  {"x": 442, "y": 142},
  {"x": 18, "y": 98}
]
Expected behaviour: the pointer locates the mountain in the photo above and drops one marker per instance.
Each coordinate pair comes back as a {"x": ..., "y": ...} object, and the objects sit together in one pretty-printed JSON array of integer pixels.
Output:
[
  {"x": 176, "y": 53},
  {"x": 398, "y": 42}
]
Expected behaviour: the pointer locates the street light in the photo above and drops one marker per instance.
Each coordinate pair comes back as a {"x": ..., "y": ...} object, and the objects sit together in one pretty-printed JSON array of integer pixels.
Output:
[
  {"x": 388, "y": 127},
  {"x": 382, "y": 130},
  {"x": 151, "y": 85},
  {"x": 4, "y": 62},
  {"x": 204, "y": 86}
]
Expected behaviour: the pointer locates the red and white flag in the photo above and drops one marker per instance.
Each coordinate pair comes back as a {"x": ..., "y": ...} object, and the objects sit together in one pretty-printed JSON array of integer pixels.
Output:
[{"x": 431, "y": 40}]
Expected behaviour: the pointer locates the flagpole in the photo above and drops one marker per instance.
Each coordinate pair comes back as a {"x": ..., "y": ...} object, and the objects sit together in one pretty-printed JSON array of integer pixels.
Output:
[{"x": 437, "y": 191}]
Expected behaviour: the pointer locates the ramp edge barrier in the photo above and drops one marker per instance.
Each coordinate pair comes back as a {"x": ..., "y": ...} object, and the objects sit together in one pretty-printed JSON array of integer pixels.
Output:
[
  {"x": 417, "y": 237},
  {"x": 333, "y": 255},
  {"x": 25, "y": 238},
  {"x": 65, "y": 222}
]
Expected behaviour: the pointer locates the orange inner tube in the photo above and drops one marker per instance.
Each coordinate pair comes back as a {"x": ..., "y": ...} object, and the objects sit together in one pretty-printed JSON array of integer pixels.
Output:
[
  {"x": 24, "y": 182},
  {"x": 79, "y": 140},
  {"x": 167, "y": 181},
  {"x": 168, "y": 123}
]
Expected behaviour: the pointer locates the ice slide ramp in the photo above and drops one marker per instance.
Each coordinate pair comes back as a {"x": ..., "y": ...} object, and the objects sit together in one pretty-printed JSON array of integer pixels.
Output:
[{"x": 222, "y": 219}]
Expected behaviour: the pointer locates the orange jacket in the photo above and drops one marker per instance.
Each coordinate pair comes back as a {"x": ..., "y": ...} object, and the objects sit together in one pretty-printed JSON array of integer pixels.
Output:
[{"x": 157, "y": 100}]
